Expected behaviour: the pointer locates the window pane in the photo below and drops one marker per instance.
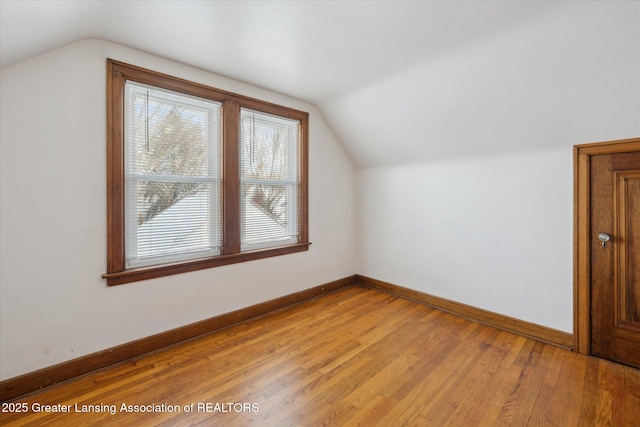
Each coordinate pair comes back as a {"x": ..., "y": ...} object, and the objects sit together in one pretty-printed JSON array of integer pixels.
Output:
[
  {"x": 266, "y": 218},
  {"x": 269, "y": 146},
  {"x": 182, "y": 228},
  {"x": 170, "y": 133},
  {"x": 172, "y": 169},
  {"x": 269, "y": 176}
]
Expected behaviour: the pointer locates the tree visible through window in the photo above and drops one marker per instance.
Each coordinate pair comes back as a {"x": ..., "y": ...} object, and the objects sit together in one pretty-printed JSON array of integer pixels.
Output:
[
  {"x": 269, "y": 175},
  {"x": 207, "y": 178},
  {"x": 172, "y": 173},
  {"x": 178, "y": 149}
]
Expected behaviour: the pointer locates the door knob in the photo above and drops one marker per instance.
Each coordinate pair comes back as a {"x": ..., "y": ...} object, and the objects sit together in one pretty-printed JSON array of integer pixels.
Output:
[{"x": 604, "y": 238}]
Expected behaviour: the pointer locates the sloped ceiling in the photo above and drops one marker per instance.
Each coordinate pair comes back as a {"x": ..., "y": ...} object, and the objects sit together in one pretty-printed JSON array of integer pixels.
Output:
[{"x": 397, "y": 81}]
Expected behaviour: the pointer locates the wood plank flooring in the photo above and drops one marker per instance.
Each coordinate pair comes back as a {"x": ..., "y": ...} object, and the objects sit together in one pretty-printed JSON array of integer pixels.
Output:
[{"x": 353, "y": 357}]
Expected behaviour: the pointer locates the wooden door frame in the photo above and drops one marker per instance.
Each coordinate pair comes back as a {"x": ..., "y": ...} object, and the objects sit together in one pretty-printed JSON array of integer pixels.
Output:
[{"x": 581, "y": 243}]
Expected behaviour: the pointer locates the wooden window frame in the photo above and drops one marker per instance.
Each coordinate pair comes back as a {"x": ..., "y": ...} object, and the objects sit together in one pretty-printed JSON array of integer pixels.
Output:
[{"x": 117, "y": 273}]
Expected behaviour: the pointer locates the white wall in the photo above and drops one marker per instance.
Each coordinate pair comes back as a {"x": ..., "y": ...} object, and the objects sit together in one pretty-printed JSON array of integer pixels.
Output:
[
  {"x": 493, "y": 233},
  {"x": 478, "y": 206},
  {"x": 54, "y": 306}
]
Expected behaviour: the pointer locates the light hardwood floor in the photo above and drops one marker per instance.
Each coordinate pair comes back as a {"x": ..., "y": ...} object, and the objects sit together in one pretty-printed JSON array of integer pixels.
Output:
[{"x": 353, "y": 357}]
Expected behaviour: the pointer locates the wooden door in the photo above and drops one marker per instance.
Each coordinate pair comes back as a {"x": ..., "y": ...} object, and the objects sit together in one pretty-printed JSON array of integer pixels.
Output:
[{"x": 615, "y": 264}]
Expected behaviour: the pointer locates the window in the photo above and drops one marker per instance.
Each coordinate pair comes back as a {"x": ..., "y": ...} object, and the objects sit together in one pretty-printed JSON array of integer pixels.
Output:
[
  {"x": 199, "y": 177},
  {"x": 172, "y": 176}
]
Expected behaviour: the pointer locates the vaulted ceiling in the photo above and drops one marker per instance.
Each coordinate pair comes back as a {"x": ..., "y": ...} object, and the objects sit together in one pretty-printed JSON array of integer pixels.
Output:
[{"x": 397, "y": 81}]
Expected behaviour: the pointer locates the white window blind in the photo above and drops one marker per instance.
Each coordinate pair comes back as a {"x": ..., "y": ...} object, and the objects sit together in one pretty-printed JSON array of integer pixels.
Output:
[
  {"x": 172, "y": 176},
  {"x": 270, "y": 180}
]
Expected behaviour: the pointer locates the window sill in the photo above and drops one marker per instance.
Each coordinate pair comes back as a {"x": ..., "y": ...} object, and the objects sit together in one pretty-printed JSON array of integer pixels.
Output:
[{"x": 144, "y": 273}]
